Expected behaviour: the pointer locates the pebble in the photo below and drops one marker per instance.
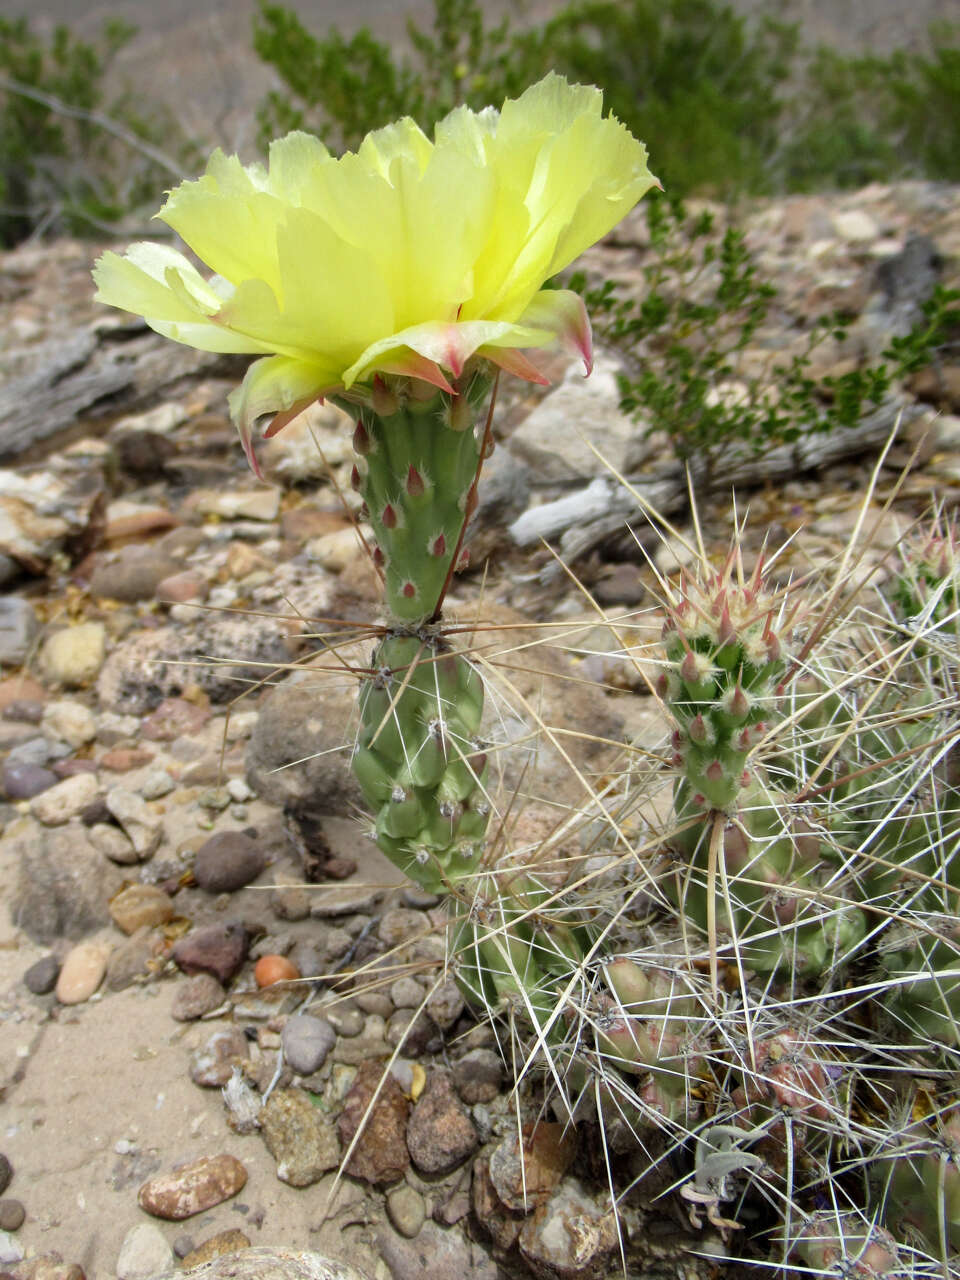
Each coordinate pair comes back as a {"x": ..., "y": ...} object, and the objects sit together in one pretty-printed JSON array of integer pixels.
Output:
[
  {"x": 173, "y": 718},
  {"x": 73, "y": 657},
  {"x": 10, "y": 1250},
  {"x": 569, "y": 1235},
  {"x": 478, "y": 1076},
  {"x": 224, "y": 1242},
  {"x": 35, "y": 750},
  {"x": 68, "y": 799},
  {"x": 12, "y": 1215},
  {"x": 19, "y": 629},
  {"x": 406, "y": 1210},
  {"x": 277, "y": 1263},
  {"x": 377, "y": 1003},
  {"x": 113, "y": 729},
  {"x": 306, "y": 1042},
  {"x": 25, "y": 710},
  {"x": 192, "y": 1188},
  {"x": 381, "y": 1153},
  {"x": 134, "y": 958},
  {"x": 227, "y": 861},
  {"x": 290, "y": 902},
  {"x": 24, "y": 781},
  {"x": 140, "y": 904},
  {"x": 236, "y": 504},
  {"x": 212, "y": 1065},
  {"x": 218, "y": 949},
  {"x": 345, "y": 1020},
  {"x": 524, "y": 1174},
  {"x": 440, "y": 1134},
  {"x": 196, "y": 996},
  {"x": 416, "y": 1032},
  {"x": 134, "y": 575},
  {"x": 299, "y": 1137},
  {"x": 144, "y": 1253},
  {"x": 42, "y": 976},
  {"x": 70, "y": 721},
  {"x": 82, "y": 972},
  {"x": 143, "y": 827},
  {"x": 113, "y": 843},
  {"x": 179, "y": 588},
  {"x": 156, "y": 784},
  {"x": 445, "y": 1004},
  {"x": 6, "y": 1173},
  {"x": 406, "y": 993},
  {"x": 401, "y": 923},
  {"x": 123, "y": 759},
  {"x": 436, "y": 1254}
]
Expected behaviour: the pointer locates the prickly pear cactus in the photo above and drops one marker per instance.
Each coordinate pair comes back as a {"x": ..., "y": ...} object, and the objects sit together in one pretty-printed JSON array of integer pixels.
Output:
[{"x": 416, "y": 759}]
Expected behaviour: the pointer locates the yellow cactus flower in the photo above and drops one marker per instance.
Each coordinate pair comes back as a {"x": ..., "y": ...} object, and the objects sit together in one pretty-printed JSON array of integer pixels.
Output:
[{"x": 407, "y": 257}]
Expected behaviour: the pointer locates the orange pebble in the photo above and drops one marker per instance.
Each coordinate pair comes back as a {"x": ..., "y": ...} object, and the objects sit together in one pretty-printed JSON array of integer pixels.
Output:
[{"x": 271, "y": 969}]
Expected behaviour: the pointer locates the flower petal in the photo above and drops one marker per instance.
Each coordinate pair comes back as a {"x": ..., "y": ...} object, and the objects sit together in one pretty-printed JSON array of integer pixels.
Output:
[
  {"x": 275, "y": 385},
  {"x": 159, "y": 283},
  {"x": 563, "y": 312}
]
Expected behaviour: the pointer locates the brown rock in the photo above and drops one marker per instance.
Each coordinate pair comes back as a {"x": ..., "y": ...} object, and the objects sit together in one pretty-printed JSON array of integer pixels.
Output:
[
  {"x": 227, "y": 861},
  {"x": 192, "y": 1188},
  {"x": 123, "y": 759},
  {"x": 138, "y": 905},
  {"x": 223, "y": 1242},
  {"x": 174, "y": 717},
  {"x": 82, "y": 972},
  {"x": 569, "y": 1236},
  {"x": 136, "y": 957},
  {"x": 299, "y": 1137},
  {"x": 20, "y": 689},
  {"x": 180, "y": 588},
  {"x": 303, "y": 523},
  {"x": 478, "y": 1076},
  {"x": 381, "y": 1153},
  {"x": 524, "y": 1176},
  {"x": 218, "y": 949},
  {"x": 212, "y": 1066},
  {"x": 440, "y": 1133},
  {"x": 196, "y": 996},
  {"x": 133, "y": 575}
]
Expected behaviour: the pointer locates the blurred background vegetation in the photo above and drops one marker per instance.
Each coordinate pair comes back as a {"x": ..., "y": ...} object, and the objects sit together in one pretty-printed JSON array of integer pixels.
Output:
[{"x": 729, "y": 104}]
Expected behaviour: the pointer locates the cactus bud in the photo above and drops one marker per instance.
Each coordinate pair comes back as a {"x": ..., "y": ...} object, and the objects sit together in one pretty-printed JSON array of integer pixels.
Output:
[
  {"x": 461, "y": 414},
  {"x": 414, "y": 484},
  {"x": 437, "y": 546},
  {"x": 384, "y": 401},
  {"x": 699, "y": 731},
  {"x": 362, "y": 443},
  {"x": 408, "y": 590},
  {"x": 356, "y": 479},
  {"x": 388, "y": 517},
  {"x": 379, "y": 559},
  {"x": 464, "y": 560}
]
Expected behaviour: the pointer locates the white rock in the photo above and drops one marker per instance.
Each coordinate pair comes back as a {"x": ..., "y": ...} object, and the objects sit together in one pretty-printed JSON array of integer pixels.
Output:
[
  {"x": 156, "y": 784},
  {"x": 70, "y": 721},
  {"x": 855, "y": 226},
  {"x": 10, "y": 1249},
  {"x": 239, "y": 790},
  {"x": 75, "y": 655},
  {"x": 241, "y": 724},
  {"x": 144, "y": 1253},
  {"x": 138, "y": 820},
  {"x": 233, "y": 504},
  {"x": 164, "y": 418},
  {"x": 112, "y": 729},
  {"x": 66, "y": 800},
  {"x": 113, "y": 843},
  {"x": 18, "y": 629},
  {"x": 334, "y": 551}
]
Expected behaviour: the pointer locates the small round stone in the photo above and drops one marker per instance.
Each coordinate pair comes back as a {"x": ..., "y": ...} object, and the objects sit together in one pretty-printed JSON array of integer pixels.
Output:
[
  {"x": 406, "y": 993},
  {"x": 82, "y": 972},
  {"x": 406, "y": 1210},
  {"x": 24, "y": 781},
  {"x": 42, "y": 976},
  {"x": 6, "y": 1173},
  {"x": 227, "y": 861},
  {"x": 478, "y": 1076},
  {"x": 12, "y": 1214},
  {"x": 144, "y": 1253},
  {"x": 306, "y": 1042}
]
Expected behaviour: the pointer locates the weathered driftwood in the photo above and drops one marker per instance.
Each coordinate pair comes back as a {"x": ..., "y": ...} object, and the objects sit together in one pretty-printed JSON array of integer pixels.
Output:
[
  {"x": 585, "y": 519},
  {"x": 92, "y": 376}
]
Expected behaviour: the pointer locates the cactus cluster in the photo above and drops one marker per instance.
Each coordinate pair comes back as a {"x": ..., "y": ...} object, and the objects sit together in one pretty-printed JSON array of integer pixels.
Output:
[{"x": 727, "y": 644}]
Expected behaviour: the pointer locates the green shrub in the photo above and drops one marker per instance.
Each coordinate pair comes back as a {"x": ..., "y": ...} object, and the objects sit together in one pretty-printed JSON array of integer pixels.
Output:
[
  {"x": 683, "y": 343},
  {"x": 65, "y": 147}
]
